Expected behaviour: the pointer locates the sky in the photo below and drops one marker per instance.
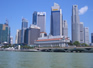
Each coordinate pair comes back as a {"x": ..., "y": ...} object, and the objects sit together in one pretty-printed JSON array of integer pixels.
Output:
[{"x": 15, "y": 10}]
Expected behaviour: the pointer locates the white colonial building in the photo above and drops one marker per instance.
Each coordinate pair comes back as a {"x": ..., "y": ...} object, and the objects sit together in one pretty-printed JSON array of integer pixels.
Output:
[{"x": 52, "y": 41}]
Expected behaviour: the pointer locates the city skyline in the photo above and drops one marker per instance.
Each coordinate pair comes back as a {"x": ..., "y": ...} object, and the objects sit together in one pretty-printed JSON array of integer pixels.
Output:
[{"x": 86, "y": 18}]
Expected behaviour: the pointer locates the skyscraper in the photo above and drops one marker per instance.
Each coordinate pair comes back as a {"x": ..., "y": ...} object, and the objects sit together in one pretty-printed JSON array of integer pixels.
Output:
[
  {"x": 4, "y": 33},
  {"x": 11, "y": 40},
  {"x": 75, "y": 24},
  {"x": 32, "y": 34},
  {"x": 24, "y": 23},
  {"x": 39, "y": 19},
  {"x": 81, "y": 32},
  {"x": 56, "y": 20},
  {"x": 24, "y": 27},
  {"x": 34, "y": 18},
  {"x": 86, "y": 35},
  {"x": 91, "y": 37},
  {"x": 18, "y": 37},
  {"x": 65, "y": 28}
]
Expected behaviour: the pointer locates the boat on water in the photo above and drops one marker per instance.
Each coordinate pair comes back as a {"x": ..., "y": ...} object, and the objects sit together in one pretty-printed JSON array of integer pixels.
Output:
[{"x": 29, "y": 50}]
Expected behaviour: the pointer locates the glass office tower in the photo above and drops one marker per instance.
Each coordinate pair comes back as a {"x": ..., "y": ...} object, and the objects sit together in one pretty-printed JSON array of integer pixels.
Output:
[
  {"x": 4, "y": 33},
  {"x": 34, "y": 18},
  {"x": 24, "y": 27},
  {"x": 91, "y": 37},
  {"x": 56, "y": 20}
]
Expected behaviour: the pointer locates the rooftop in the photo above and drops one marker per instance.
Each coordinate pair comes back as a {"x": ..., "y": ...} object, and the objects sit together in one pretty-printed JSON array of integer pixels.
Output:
[{"x": 49, "y": 39}]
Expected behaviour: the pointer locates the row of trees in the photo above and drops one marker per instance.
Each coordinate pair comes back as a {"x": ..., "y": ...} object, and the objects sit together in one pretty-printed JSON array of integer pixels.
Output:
[
  {"x": 7, "y": 46},
  {"x": 78, "y": 44}
]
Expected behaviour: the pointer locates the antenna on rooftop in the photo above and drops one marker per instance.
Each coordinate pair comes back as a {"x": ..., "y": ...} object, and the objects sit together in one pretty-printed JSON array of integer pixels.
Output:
[{"x": 7, "y": 22}]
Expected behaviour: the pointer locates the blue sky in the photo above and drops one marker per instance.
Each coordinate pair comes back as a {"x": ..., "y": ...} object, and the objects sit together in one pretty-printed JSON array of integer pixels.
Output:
[{"x": 14, "y": 10}]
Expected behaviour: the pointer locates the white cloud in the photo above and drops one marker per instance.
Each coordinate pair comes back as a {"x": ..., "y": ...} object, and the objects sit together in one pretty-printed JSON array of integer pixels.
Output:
[{"x": 83, "y": 10}]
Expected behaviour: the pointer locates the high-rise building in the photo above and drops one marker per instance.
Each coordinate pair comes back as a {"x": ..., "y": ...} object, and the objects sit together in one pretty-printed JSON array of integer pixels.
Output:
[
  {"x": 32, "y": 34},
  {"x": 19, "y": 36},
  {"x": 65, "y": 28},
  {"x": 24, "y": 27},
  {"x": 11, "y": 40},
  {"x": 39, "y": 19},
  {"x": 56, "y": 20},
  {"x": 86, "y": 35},
  {"x": 81, "y": 32},
  {"x": 34, "y": 18},
  {"x": 75, "y": 24},
  {"x": 91, "y": 37},
  {"x": 4, "y": 33},
  {"x": 16, "y": 38}
]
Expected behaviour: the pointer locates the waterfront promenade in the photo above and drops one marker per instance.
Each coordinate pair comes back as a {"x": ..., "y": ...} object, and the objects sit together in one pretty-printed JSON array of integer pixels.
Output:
[{"x": 54, "y": 49}]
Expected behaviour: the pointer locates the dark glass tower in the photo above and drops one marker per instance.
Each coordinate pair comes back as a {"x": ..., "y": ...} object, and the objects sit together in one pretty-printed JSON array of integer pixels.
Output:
[
  {"x": 35, "y": 18},
  {"x": 24, "y": 27},
  {"x": 91, "y": 37},
  {"x": 56, "y": 20}
]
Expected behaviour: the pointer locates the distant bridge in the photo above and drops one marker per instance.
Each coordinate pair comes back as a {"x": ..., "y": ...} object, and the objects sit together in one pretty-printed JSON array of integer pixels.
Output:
[{"x": 66, "y": 49}]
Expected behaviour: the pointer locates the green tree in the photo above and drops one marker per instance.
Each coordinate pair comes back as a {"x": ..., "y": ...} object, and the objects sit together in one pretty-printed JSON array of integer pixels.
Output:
[
  {"x": 84, "y": 44},
  {"x": 26, "y": 47},
  {"x": 76, "y": 43},
  {"x": 70, "y": 43}
]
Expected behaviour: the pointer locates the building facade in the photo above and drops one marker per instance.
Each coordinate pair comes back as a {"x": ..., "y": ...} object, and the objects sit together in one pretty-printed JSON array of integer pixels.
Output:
[
  {"x": 52, "y": 41},
  {"x": 24, "y": 27},
  {"x": 75, "y": 24},
  {"x": 34, "y": 18},
  {"x": 56, "y": 20},
  {"x": 32, "y": 34},
  {"x": 11, "y": 40},
  {"x": 91, "y": 37},
  {"x": 4, "y": 33},
  {"x": 65, "y": 28},
  {"x": 81, "y": 32},
  {"x": 86, "y": 35},
  {"x": 41, "y": 21},
  {"x": 18, "y": 37},
  {"x": 43, "y": 34}
]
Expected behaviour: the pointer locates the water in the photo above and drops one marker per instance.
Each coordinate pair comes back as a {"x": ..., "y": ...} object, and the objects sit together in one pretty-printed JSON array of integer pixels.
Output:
[{"x": 45, "y": 60}]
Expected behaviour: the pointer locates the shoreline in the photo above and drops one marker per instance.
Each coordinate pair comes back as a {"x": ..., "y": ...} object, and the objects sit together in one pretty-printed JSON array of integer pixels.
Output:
[{"x": 52, "y": 50}]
